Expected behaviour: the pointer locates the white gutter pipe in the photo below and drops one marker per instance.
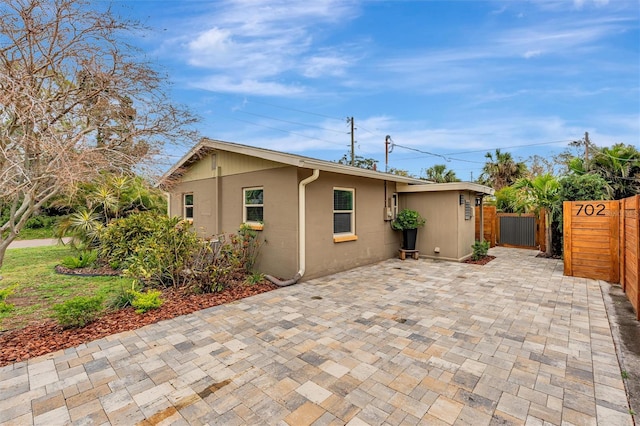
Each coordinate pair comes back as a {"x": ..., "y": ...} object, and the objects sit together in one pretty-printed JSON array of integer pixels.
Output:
[{"x": 302, "y": 232}]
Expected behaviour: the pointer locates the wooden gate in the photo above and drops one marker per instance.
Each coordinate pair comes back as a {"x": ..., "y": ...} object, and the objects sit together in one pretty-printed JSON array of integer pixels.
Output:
[
  {"x": 591, "y": 239},
  {"x": 517, "y": 230},
  {"x": 629, "y": 247}
]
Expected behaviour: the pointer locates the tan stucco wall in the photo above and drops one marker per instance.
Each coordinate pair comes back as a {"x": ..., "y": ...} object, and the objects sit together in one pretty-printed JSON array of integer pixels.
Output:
[
  {"x": 225, "y": 163},
  {"x": 376, "y": 240},
  {"x": 278, "y": 255},
  {"x": 445, "y": 226}
]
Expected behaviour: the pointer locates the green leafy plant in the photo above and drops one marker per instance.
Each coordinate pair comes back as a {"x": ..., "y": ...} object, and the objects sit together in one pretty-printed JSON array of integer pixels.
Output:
[
  {"x": 4, "y": 294},
  {"x": 78, "y": 312},
  {"x": 144, "y": 302},
  {"x": 123, "y": 297},
  {"x": 161, "y": 257},
  {"x": 407, "y": 219},
  {"x": 480, "y": 249},
  {"x": 254, "y": 278},
  {"x": 82, "y": 260}
]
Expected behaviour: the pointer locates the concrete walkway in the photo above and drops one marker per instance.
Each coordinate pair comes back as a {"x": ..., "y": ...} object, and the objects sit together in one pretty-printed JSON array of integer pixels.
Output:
[
  {"x": 37, "y": 243},
  {"x": 398, "y": 343}
]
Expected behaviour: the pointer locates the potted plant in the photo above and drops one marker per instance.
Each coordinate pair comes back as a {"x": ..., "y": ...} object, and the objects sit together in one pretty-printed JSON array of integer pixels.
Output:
[{"x": 408, "y": 221}]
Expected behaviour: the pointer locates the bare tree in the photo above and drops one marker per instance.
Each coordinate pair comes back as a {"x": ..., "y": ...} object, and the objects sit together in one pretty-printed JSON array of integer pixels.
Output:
[{"x": 76, "y": 99}]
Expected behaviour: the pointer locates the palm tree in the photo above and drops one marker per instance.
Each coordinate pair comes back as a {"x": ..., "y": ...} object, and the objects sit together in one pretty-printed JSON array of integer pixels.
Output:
[
  {"x": 439, "y": 174},
  {"x": 501, "y": 170},
  {"x": 541, "y": 193},
  {"x": 619, "y": 165}
]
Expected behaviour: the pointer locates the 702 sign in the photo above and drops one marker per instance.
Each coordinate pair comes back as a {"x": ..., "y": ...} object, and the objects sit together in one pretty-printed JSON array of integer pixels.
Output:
[{"x": 591, "y": 210}]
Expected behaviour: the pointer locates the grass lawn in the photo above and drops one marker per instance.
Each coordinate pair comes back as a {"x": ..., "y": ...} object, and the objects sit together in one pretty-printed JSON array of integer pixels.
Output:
[{"x": 38, "y": 287}]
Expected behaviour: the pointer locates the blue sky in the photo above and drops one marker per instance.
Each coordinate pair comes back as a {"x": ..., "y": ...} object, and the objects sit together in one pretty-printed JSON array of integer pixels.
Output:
[{"x": 452, "y": 78}]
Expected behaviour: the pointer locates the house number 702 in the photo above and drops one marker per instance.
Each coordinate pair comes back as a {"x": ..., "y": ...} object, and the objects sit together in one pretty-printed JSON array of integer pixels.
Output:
[{"x": 590, "y": 210}]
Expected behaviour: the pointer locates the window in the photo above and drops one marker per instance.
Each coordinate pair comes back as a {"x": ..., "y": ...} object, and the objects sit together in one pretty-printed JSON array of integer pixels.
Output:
[
  {"x": 188, "y": 206},
  {"x": 253, "y": 205},
  {"x": 343, "y": 211}
]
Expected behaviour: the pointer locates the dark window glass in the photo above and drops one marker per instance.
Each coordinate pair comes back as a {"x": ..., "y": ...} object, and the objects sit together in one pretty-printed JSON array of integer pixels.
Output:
[
  {"x": 341, "y": 222},
  {"x": 342, "y": 200},
  {"x": 255, "y": 214}
]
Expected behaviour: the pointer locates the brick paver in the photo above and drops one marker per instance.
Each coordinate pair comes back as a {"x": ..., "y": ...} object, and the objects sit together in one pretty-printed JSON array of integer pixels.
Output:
[{"x": 398, "y": 343}]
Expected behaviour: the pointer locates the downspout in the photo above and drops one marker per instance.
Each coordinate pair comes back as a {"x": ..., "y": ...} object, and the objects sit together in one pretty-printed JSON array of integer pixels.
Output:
[{"x": 302, "y": 232}]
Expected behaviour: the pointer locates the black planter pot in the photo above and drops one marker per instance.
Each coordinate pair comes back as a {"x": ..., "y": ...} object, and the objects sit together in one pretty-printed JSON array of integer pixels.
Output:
[{"x": 409, "y": 238}]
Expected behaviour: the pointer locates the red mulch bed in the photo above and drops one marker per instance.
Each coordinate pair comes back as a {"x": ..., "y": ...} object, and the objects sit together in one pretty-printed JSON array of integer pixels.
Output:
[
  {"x": 482, "y": 261},
  {"x": 35, "y": 340}
]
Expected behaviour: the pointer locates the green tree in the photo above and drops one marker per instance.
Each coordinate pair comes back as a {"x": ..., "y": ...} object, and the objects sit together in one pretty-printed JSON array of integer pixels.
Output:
[
  {"x": 359, "y": 161},
  {"x": 111, "y": 196},
  {"x": 76, "y": 99},
  {"x": 585, "y": 187},
  {"x": 438, "y": 173},
  {"x": 508, "y": 201},
  {"x": 501, "y": 170},
  {"x": 619, "y": 165},
  {"x": 541, "y": 193}
]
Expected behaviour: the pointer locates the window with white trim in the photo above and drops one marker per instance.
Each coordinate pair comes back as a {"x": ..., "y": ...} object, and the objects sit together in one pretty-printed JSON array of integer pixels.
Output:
[
  {"x": 187, "y": 203},
  {"x": 344, "y": 220},
  {"x": 253, "y": 205}
]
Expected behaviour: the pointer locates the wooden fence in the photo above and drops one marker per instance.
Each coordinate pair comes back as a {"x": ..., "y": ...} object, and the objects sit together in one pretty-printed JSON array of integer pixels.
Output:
[
  {"x": 629, "y": 247},
  {"x": 489, "y": 224},
  {"x": 492, "y": 231},
  {"x": 601, "y": 242}
]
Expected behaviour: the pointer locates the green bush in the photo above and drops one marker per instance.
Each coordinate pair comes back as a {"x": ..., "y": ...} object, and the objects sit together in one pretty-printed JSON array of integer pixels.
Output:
[
  {"x": 144, "y": 302},
  {"x": 160, "y": 258},
  {"x": 123, "y": 297},
  {"x": 4, "y": 294},
  {"x": 480, "y": 249},
  {"x": 254, "y": 278},
  {"x": 82, "y": 260},
  {"x": 122, "y": 238},
  {"x": 39, "y": 222},
  {"x": 78, "y": 312},
  {"x": 407, "y": 219}
]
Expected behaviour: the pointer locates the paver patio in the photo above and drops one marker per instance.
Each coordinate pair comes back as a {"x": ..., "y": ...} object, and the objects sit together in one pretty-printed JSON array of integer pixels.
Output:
[{"x": 398, "y": 342}]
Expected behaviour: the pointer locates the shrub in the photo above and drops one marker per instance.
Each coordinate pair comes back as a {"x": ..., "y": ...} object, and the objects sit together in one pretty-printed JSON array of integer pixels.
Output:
[
  {"x": 4, "y": 294},
  {"x": 480, "y": 249},
  {"x": 144, "y": 302},
  {"x": 120, "y": 240},
  {"x": 78, "y": 312},
  {"x": 225, "y": 259},
  {"x": 124, "y": 297},
  {"x": 160, "y": 258},
  {"x": 84, "y": 259},
  {"x": 254, "y": 278}
]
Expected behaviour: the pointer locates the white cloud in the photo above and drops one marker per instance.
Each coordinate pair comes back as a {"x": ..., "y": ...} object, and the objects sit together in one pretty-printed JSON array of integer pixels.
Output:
[
  {"x": 225, "y": 84},
  {"x": 251, "y": 42},
  {"x": 532, "y": 53},
  {"x": 321, "y": 66}
]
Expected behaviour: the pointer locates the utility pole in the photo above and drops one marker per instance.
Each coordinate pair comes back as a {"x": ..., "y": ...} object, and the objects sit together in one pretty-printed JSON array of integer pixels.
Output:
[
  {"x": 586, "y": 151},
  {"x": 353, "y": 149}
]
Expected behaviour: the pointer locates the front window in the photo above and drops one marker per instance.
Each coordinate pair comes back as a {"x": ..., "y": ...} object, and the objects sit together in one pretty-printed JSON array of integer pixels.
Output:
[
  {"x": 253, "y": 205},
  {"x": 188, "y": 206},
  {"x": 343, "y": 211}
]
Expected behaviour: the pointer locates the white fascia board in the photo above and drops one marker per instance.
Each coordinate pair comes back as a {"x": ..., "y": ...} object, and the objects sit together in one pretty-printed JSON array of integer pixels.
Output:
[{"x": 450, "y": 186}]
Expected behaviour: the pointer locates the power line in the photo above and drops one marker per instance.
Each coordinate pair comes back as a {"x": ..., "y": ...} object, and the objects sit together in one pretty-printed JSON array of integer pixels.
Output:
[
  {"x": 512, "y": 146},
  {"x": 444, "y": 157}
]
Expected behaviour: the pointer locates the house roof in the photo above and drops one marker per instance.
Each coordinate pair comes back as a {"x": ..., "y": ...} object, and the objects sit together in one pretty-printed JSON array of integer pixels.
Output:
[
  {"x": 450, "y": 186},
  {"x": 207, "y": 145}
]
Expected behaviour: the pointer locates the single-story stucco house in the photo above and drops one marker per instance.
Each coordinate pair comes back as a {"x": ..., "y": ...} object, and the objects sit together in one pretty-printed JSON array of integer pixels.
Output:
[{"x": 316, "y": 217}]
